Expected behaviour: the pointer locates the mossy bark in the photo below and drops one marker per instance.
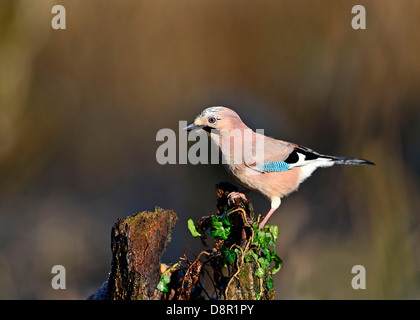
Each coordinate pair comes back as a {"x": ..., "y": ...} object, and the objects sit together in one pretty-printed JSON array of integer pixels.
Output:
[
  {"x": 245, "y": 285},
  {"x": 138, "y": 243}
]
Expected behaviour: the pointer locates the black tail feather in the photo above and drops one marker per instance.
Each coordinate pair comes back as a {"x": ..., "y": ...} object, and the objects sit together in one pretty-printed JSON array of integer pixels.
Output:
[
  {"x": 351, "y": 161},
  {"x": 313, "y": 155}
]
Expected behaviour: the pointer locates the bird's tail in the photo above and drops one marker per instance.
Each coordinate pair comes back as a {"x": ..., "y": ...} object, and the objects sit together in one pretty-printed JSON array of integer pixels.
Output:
[
  {"x": 303, "y": 155},
  {"x": 350, "y": 161}
]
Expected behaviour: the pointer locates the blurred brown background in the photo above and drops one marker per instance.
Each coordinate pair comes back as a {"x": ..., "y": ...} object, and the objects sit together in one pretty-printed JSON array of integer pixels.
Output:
[{"x": 80, "y": 109}]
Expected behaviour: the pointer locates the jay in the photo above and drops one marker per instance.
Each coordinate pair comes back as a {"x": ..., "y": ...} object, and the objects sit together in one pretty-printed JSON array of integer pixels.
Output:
[{"x": 273, "y": 167}]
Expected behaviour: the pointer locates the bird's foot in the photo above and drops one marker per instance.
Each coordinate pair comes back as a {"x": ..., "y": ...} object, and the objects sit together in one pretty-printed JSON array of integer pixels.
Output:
[{"x": 235, "y": 197}]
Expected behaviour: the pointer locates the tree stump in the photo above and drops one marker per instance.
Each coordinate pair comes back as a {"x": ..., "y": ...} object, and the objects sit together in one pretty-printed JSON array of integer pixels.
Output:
[
  {"x": 137, "y": 243},
  {"x": 238, "y": 265}
]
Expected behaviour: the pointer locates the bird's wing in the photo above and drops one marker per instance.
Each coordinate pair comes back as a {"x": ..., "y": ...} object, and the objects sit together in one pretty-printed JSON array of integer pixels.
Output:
[{"x": 281, "y": 156}]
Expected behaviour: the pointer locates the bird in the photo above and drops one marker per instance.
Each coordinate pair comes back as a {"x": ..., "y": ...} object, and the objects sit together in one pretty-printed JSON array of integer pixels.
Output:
[{"x": 275, "y": 168}]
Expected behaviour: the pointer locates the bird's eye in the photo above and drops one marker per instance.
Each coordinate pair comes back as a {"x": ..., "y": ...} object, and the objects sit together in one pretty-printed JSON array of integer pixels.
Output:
[{"x": 212, "y": 120}]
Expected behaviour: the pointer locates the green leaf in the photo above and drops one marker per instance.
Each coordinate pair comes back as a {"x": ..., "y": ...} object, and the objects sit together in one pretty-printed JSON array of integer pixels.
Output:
[
  {"x": 267, "y": 253},
  {"x": 214, "y": 220},
  {"x": 192, "y": 228},
  {"x": 268, "y": 240},
  {"x": 266, "y": 228},
  {"x": 260, "y": 235},
  {"x": 278, "y": 263},
  {"x": 162, "y": 287},
  {"x": 165, "y": 279},
  {"x": 253, "y": 254},
  {"x": 260, "y": 272},
  {"x": 274, "y": 231},
  {"x": 215, "y": 233},
  {"x": 226, "y": 233},
  {"x": 264, "y": 263},
  {"x": 231, "y": 256},
  {"x": 270, "y": 283},
  {"x": 226, "y": 220},
  {"x": 163, "y": 283},
  {"x": 217, "y": 225},
  {"x": 255, "y": 226},
  {"x": 218, "y": 230}
]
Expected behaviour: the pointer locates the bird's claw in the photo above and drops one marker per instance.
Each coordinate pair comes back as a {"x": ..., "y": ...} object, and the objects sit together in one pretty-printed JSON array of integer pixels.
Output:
[{"x": 233, "y": 198}]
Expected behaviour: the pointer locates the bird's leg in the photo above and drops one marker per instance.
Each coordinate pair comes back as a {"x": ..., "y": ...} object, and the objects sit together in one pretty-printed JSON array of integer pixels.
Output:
[
  {"x": 262, "y": 223},
  {"x": 275, "y": 203},
  {"x": 236, "y": 195}
]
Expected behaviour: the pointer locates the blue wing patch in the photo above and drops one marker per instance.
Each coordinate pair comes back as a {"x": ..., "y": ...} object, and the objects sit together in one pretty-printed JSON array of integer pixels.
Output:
[{"x": 272, "y": 166}]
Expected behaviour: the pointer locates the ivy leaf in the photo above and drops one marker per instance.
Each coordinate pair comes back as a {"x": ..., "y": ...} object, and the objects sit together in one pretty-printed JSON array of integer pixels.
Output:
[
  {"x": 269, "y": 239},
  {"x": 278, "y": 263},
  {"x": 218, "y": 230},
  {"x": 270, "y": 283},
  {"x": 222, "y": 233},
  {"x": 166, "y": 279},
  {"x": 162, "y": 287},
  {"x": 226, "y": 233},
  {"x": 163, "y": 283},
  {"x": 231, "y": 256},
  {"x": 260, "y": 235},
  {"x": 267, "y": 253},
  {"x": 217, "y": 225},
  {"x": 260, "y": 272},
  {"x": 216, "y": 233},
  {"x": 193, "y": 229},
  {"x": 226, "y": 220},
  {"x": 255, "y": 226},
  {"x": 215, "y": 221},
  {"x": 253, "y": 254},
  {"x": 274, "y": 231},
  {"x": 264, "y": 263}
]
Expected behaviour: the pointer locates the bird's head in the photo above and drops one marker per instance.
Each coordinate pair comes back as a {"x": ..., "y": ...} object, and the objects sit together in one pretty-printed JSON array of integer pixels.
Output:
[{"x": 215, "y": 118}]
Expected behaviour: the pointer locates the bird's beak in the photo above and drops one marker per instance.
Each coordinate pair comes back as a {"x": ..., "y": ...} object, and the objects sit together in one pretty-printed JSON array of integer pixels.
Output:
[{"x": 191, "y": 126}]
